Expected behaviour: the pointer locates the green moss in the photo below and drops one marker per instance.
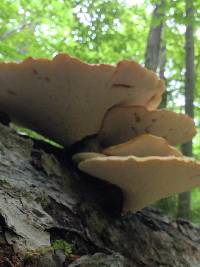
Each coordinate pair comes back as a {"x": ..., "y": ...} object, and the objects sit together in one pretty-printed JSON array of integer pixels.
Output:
[
  {"x": 63, "y": 245},
  {"x": 4, "y": 183},
  {"x": 38, "y": 252},
  {"x": 43, "y": 200},
  {"x": 57, "y": 244}
]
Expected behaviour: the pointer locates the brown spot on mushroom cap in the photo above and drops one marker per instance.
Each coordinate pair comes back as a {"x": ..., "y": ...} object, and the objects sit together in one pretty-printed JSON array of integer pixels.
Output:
[
  {"x": 145, "y": 180},
  {"x": 70, "y": 104},
  {"x": 122, "y": 85},
  {"x": 11, "y": 92},
  {"x": 47, "y": 79},
  {"x": 143, "y": 146},
  {"x": 35, "y": 71},
  {"x": 119, "y": 122}
]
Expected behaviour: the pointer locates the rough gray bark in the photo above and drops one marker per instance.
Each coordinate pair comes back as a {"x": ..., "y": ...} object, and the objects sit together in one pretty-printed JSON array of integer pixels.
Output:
[
  {"x": 44, "y": 198},
  {"x": 185, "y": 198},
  {"x": 154, "y": 37}
]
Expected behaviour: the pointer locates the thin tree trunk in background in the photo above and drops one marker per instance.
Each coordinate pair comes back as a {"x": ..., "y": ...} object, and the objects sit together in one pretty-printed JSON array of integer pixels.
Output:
[
  {"x": 155, "y": 55},
  {"x": 162, "y": 65},
  {"x": 184, "y": 205},
  {"x": 154, "y": 37}
]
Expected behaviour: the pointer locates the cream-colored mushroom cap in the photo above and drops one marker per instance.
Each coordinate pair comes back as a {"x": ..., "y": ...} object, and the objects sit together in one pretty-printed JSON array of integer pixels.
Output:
[
  {"x": 122, "y": 123},
  {"x": 145, "y": 180},
  {"x": 66, "y": 99},
  {"x": 142, "y": 83},
  {"x": 143, "y": 146}
]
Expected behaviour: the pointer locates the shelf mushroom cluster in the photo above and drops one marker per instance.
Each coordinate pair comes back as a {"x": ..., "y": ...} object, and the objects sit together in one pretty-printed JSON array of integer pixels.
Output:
[
  {"x": 139, "y": 154},
  {"x": 143, "y": 164},
  {"x": 68, "y": 100}
]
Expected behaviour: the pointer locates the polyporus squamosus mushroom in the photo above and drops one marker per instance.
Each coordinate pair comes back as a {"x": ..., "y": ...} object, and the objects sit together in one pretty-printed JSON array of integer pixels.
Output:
[
  {"x": 66, "y": 99},
  {"x": 145, "y": 180},
  {"x": 143, "y": 146},
  {"x": 123, "y": 122}
]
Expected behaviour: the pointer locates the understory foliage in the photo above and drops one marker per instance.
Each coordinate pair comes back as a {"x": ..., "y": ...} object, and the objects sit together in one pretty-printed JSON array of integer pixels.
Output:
[{"x": 105, "y": 31}]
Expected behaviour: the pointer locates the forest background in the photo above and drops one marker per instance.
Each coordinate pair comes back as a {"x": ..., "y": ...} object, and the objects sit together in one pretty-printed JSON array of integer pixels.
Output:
[{"x": 162, "y": 35}]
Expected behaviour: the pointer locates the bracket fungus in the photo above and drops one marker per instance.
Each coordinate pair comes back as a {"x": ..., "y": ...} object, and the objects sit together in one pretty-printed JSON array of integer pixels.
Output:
[
  {"x": 66, "y": 99},
  {"x": 70, "y": 101},
  {"x": 145, "y": 180},
  {"x": 124, "y": 122}
]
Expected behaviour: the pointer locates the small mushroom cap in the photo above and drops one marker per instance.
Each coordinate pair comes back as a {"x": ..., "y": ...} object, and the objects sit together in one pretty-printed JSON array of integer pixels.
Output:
[
  {"x": 66, "y": 99},
  {"x": 78, "y": 157},
  {"x": 145, "y": 180},
  {"x": 143, "y": 146},
  {"x": 123, "y": 122},
  {"x": 143, "y": 83}
]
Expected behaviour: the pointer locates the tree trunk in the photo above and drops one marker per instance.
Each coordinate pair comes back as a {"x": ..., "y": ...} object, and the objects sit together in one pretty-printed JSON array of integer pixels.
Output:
[
  {"x": 154, "y": 37},
  {"x": 155, "y": 55},
  {"x": 162, "y": 65},
  {"x": 185, "y": 198},
  {"x": 52, "y": 215}
]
